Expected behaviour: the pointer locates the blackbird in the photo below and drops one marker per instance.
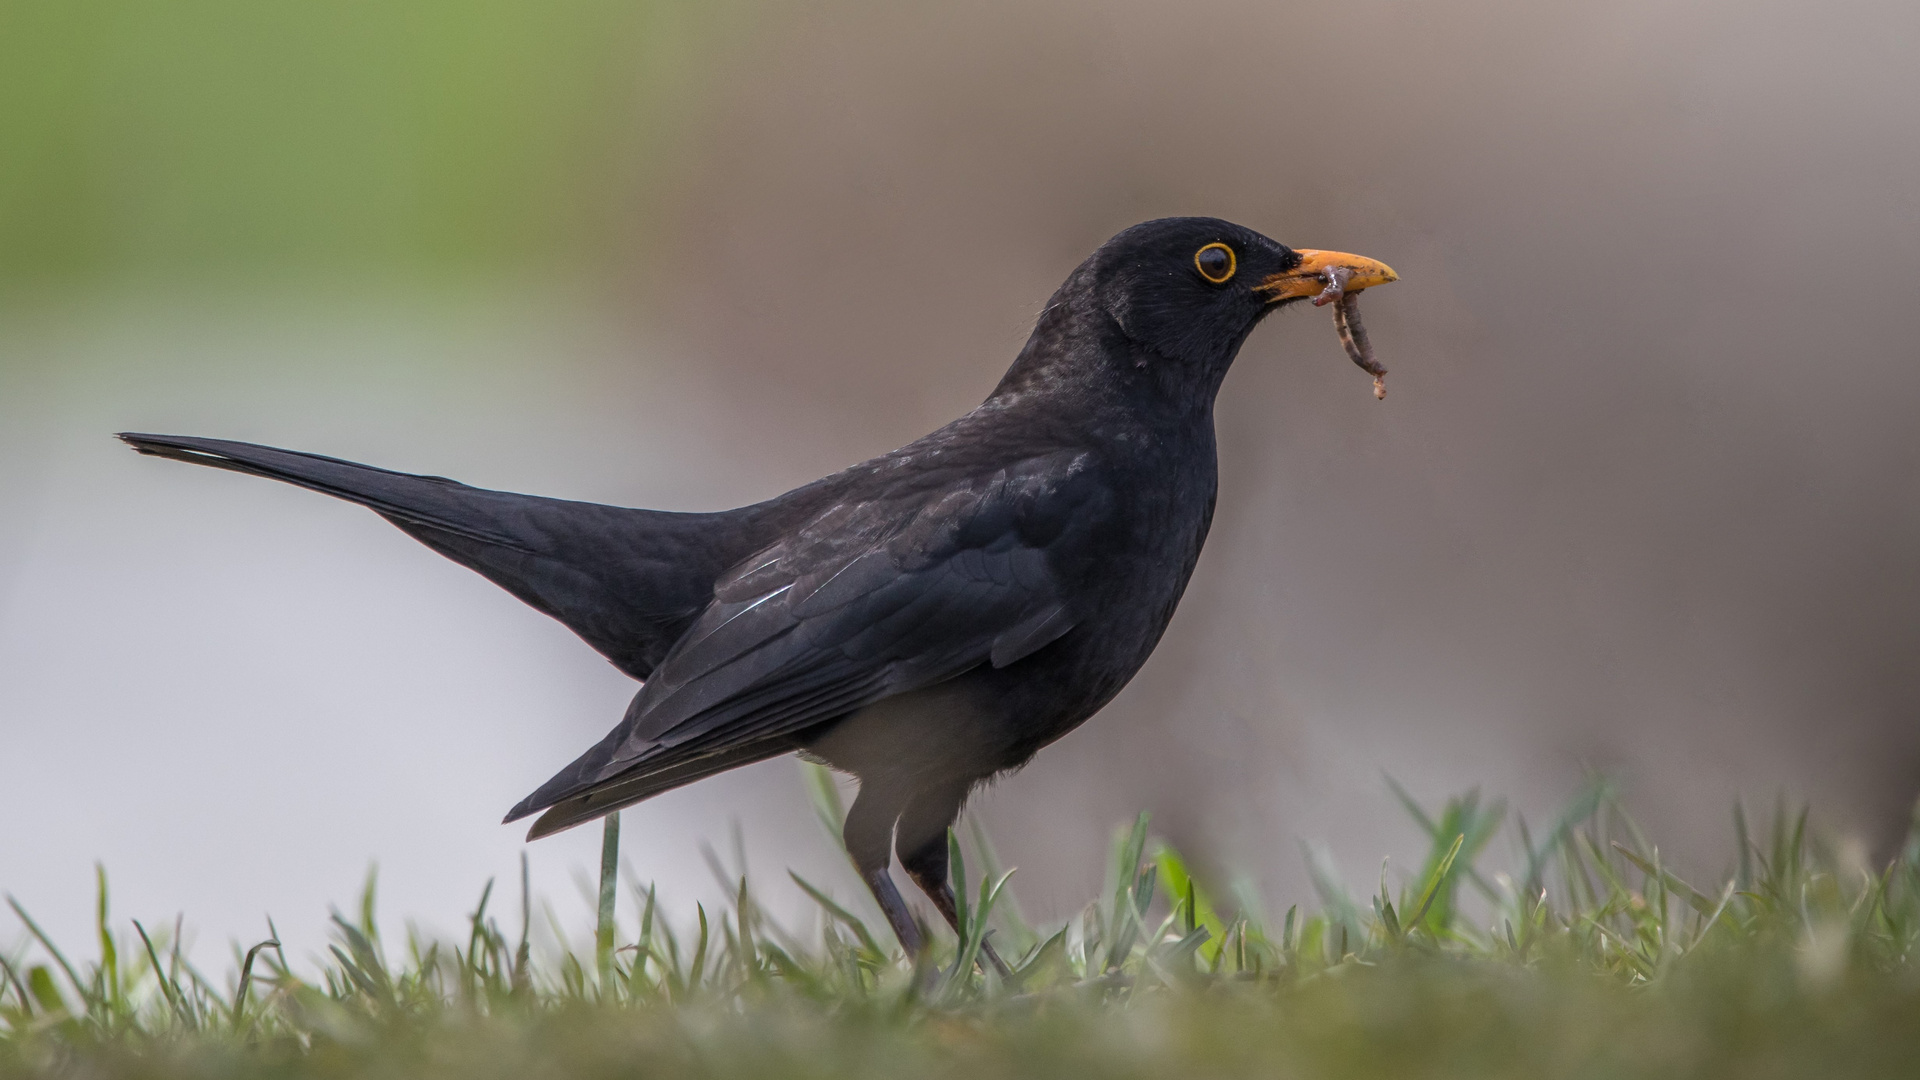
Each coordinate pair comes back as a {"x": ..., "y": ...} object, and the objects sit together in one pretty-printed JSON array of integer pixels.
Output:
[{"x": 925, "y": 620}]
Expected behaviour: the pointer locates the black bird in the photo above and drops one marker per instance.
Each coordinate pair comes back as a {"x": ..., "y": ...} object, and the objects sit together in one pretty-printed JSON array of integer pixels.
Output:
[{"x": 925, "y": 620}]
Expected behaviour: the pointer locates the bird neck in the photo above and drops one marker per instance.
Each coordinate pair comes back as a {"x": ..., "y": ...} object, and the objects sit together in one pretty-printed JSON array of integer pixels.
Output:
[
  {"x": 1106, "y": 387},
  {"x": 1080, "y": 362}
]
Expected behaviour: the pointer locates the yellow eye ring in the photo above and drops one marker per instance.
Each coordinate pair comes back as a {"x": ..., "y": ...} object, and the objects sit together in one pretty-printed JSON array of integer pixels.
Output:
[{"x": 1208, "y": 261}]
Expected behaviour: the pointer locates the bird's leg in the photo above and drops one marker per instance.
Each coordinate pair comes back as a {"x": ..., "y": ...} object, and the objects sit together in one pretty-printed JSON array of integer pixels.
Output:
[
  {"x": 922, "y": 845},
  {"x": 895, "y": 907},
  {"x": 868, "y": 833},
  {"x": 934, "y": 883}
]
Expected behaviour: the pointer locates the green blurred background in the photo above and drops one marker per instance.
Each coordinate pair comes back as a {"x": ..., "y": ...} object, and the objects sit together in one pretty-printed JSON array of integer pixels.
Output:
[{"x": 222, "y": 139}]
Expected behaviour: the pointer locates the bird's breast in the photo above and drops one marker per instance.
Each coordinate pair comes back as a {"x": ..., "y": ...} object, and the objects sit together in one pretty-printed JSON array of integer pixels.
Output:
[{"x": 1128, "y": 595}]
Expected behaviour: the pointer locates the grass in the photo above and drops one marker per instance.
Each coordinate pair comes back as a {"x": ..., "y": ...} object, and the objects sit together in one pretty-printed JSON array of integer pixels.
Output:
[{"x": 1590, "y": 958}]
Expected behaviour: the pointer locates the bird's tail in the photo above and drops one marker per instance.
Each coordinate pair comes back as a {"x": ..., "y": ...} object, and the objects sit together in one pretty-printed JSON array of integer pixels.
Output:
[
  {"x": 431, "y": 501},
  {"x": 627, "y": 581}
]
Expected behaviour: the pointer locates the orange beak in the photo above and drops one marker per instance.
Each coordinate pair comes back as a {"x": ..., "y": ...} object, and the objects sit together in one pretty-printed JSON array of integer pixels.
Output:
[{"x": 1310, "y": 276}]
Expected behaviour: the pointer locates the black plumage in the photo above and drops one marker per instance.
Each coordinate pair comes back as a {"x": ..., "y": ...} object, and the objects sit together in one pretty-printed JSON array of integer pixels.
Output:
[{"x": 924, "y": 620}]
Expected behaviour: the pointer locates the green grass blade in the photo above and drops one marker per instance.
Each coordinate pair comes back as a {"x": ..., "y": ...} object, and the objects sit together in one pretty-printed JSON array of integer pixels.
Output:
[
  {"x": 824, "y": 792},
  {"x": 1200, "y": 910},
  {"x": 609, "y": 889},
  {"x": 46, "y": 943},
  {"x": 839, "y": 914},
  {"x": 168, "y": 987},
  {"x": 957, "y": 873},
  {"x": 109, "y": 972},
  {"x": 1437, "y": 879},
  {"x": 246, "y": 979}
]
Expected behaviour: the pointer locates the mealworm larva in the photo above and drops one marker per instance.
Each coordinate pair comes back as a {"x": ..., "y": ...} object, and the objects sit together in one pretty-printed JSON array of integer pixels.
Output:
[{"x": 1353, "y": 334}]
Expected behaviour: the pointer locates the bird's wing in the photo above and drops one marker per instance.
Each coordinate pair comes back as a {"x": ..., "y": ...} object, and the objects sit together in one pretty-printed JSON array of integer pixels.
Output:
[{"x": 866, "y": 600}]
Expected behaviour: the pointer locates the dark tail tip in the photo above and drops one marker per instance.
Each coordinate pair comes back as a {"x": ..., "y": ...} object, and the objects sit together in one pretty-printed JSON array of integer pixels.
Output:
[
  {"x": 549, "y": 823},
  {"x": 557, "y": 817},
  {"x": 520, "y": 809},
  {"x": 169, "y": 446}
]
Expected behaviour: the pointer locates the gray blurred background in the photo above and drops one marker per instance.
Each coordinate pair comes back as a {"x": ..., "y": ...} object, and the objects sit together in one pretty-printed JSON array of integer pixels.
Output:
[{"x": 1643, "y": 499}]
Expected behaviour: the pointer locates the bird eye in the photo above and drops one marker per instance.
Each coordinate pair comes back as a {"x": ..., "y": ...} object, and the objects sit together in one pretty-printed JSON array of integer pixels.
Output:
[{"x": 1216, "y": 263}]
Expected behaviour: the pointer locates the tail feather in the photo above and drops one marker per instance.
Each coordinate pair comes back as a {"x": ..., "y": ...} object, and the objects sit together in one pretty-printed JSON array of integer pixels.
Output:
[
  {"x": 422, "y": 500},
  {"x": 627, "y": 581},
  {"x": 636, "y": 785}
]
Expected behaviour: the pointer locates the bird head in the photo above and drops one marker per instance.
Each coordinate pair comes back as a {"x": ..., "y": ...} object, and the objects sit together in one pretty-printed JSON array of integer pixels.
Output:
[{"x": 1184, "y": 293}]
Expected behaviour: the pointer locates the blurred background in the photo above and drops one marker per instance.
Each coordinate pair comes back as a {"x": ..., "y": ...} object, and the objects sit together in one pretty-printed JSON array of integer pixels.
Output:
[{"x": 1643, "y": 499}]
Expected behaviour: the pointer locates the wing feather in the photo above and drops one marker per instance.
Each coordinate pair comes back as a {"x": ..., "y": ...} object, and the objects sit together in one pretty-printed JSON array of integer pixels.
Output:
[{"x": 867, "y": 600}]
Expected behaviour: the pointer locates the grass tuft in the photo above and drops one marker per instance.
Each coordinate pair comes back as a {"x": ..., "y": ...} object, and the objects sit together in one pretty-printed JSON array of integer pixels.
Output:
[{"x": 1590, "y": 957}]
